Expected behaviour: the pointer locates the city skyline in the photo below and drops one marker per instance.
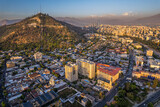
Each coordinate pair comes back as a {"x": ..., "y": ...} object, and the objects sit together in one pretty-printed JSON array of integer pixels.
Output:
[
  {"x": 79, "y": 53},
  {"x": 74, "y": 8}
]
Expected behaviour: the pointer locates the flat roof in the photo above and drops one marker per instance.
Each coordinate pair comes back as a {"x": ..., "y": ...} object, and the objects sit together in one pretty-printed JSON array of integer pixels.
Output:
[
  {"x": 27, "y": 104},
  {"x": 110, "y": 70},
  {"x": 39, "y": 100},
  {"x": 48, "y": 96},
  {"x": 42, "y": 97},
  {"x": 85, "y": 60}
]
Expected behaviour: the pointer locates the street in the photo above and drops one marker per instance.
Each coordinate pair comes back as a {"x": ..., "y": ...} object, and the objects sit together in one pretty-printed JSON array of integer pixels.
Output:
[
  {"x": 1, "y": 85},
  {"x": 114, "y": 90},
  {"x": 154, "y": 98}
]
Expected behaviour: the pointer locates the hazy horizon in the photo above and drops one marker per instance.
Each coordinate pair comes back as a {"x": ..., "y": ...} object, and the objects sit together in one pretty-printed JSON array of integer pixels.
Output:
[{"x": 19, "y": 9}]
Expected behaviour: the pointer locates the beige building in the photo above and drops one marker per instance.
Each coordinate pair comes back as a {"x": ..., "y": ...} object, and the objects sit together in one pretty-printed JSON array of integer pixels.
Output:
[
  {"x": 137, "y": 45},
  {"x": 10, "y": 64},
  {"x": 108, "y": 72},
  {"x": 38, "y": 56},
  {"x": 139, "y": 61},
  {"x": 149, "y": 52},
  {"x": 17, "y": 58},
  {"x": 107, "y": 75},
  {"x": 105, "y": 84},
  {"x": 145, "y": 74},
  {"x": 71, "y": 72},
  {"x": 86, "y": 68},
  {"x": 52, "y": 82}
]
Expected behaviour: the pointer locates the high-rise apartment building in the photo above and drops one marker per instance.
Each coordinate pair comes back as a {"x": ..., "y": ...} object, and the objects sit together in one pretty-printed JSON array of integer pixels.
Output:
[
  {"x": 86, "y": 68},
  {"x": 71, "y": 72}
]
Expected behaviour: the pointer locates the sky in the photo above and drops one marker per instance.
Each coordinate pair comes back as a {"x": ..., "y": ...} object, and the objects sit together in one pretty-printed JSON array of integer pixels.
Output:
[{"x": 17, "y": 9}]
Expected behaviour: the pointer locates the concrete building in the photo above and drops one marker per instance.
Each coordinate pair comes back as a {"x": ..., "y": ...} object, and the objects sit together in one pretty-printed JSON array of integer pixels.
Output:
[
  {"x": 44, "y": 100},
  {"x": 34, "y": 75},
  {"x": 137, "y": 45},
  {"x": 149, "y": 52},
  {"x": 86, "y": 68},
  {"x": 52, "y": 82},
  {"x": 153, "y": 64},
  {"x": 71, "y": 72},
  {"x": 38, "y": 56},
  {"x": 10, "y": 64},
  {"x": 139, "y": 74},
  {"x": 139, "y": 61},
  {"x": 107, "y": 74},
  {"x": 16, "y": 58},
  {"x": 106, "y": 84}
]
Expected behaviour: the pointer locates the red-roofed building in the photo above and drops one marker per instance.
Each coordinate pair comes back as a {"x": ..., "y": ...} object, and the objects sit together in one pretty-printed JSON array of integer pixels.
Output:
[
  {"x": 34, "y": 75},
  {"x": 108, "y": 72}
]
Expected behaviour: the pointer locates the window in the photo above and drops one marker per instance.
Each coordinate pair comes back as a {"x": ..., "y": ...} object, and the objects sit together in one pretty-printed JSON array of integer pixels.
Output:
[{"x": 74, "y": 71}]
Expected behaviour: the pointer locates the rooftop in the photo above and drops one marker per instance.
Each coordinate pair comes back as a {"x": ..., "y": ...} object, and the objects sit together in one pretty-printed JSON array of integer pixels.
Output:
[
  {"x": 110, "y": 70},
  {"x": 71, "y": 64},
  {"x": 34, "y": 75},
  {"x": 88, "y": 61}
]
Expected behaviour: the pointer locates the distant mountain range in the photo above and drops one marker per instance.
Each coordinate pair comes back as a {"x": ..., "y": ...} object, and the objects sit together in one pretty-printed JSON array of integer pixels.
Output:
[
  {"x": 113, "y": 20},
  {"x": 108, "y": 19},
  {"x": 8, "y": 22},
  {"x": 152, "y": 20}
]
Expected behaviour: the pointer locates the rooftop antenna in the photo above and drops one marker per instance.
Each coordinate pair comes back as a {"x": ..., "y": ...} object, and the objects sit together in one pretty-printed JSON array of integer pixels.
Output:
[
  {"x": 41, "y": 27},
  {"x": 40, "y": 6}
]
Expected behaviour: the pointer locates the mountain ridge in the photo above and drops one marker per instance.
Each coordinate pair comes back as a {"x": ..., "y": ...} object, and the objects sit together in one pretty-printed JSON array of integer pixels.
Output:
[
  {"x": 8, "y": 22},
  {"x": 36, "y": 31},
  {"x": 111, "y": 19}
]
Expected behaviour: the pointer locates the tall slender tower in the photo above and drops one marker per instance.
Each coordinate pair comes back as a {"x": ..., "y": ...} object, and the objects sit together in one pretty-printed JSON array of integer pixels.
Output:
[{"x": 41, "y": 27}]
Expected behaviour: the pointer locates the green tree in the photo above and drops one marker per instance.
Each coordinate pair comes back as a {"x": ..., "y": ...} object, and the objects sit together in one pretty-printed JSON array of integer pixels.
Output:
[
  {"x": 149, "y": 83},
  {"x": 101, "y": 95},
  {"x": 127, "y": 86},
  {"x": 155, "y": 83},
  {"x": 14, "y": 73},
  {"x": 63, "y": 63},
  {"x": 56, "y": 75},
  {"x": 150, "y": 105},
  {"x": 35, "y": 68},
  {"x": 3, "y": 104},
  {"x": 40, "y": 86},
  {"x": 116, "y": 98},
  {"x": 89, "y": 104},
  {"x": 133, "y": 87},
  {"x": 121, "y": 93},
  {"x": 22, "y": 97},
  {"x": 105, "y": 106},
  {"x": 130, "y": 95},
  {"x": 41, "y": 65},
  {"x": 5, "y": 93}
]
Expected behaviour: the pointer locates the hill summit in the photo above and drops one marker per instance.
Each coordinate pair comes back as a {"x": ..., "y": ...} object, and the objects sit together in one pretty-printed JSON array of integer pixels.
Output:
[{"x": 40, "y": 30}]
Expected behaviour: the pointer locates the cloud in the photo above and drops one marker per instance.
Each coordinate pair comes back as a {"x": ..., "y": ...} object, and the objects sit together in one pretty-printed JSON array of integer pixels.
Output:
[
  {"x": 128, "y": 13},
  {"x": 125, "y": 14}
]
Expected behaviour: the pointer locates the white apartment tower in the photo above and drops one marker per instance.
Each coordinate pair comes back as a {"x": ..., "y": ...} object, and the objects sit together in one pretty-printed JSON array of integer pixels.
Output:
[
  {"x": 86, "y": 68},
  {"x": 71, "y": 72}
]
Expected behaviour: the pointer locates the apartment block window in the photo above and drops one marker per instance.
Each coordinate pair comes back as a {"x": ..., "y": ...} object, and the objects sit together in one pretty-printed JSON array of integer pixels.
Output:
[{"x": 74, "y": 72}]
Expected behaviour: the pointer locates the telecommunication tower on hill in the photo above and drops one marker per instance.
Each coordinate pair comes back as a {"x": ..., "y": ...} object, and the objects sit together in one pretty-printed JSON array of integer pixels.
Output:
[{"x": 41, "y": 28}]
